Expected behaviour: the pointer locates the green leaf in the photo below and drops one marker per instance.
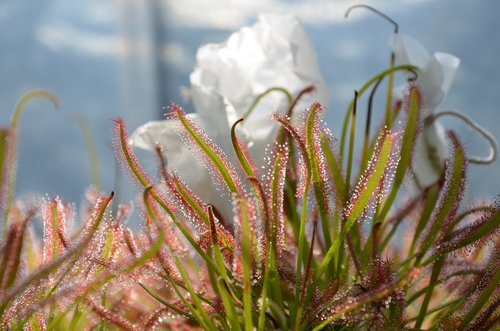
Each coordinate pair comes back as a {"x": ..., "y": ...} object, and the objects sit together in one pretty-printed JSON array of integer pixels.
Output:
[
  {"x": 123, "y": 150},
  {"x": 449, "y": 198},
  {"x": 215, "y": 156},
  {"x": 364, "y": 192},
  {"x": 491, "y": 279},
  {"x": 319, "y": 185},
  {"x": 409, "y": 137},
  {"x": 469, "y": 234},
  {"x": 11, "y": 259},
  {"x": 73, "y": 253},
  {"x": 433, "y": 282},
  {"x": 256, "y": 101},
  {"x": 246, "y": 260},
  {"x": 425, "y": 215},
  {"x": 165, "y": 303},
  {"x": 368, "y": 297},
  {"x": 245, "y": 164}
]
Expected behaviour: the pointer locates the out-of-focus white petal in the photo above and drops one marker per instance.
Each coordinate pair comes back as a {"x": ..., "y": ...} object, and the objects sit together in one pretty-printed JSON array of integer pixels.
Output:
[
  {"x": 408, "y": 50},
  {"x": 449, "y": 64},
  {"x": 210, "y": 111},
  {"x": 148, "y": 135},
  {"x": 431, "y": 151},
  {"x": 275, "y": 51},
  {"x": 435, "y": 76},
  {"x": 436, "y": 72}
]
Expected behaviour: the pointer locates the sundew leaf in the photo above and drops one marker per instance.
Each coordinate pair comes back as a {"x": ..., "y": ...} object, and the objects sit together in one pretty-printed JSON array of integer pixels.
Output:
[
  {"x": 223, "y": 282},
  {"x": 448, "y": 204},
  {"x": 246, "y": 261},
  {"x": 194, "y": 205},
  {"x": 168, "y": 305},
  {"x": 338, "y": 181},
  {"x": 304, "y": 164},
  {"x": 276, "y": 196},
  {"x": 410, "y": 132},
  {"x": 125, "y": 155},
  {"x": 73, "y": 253},
  {"x": 369, "y": 183},
  {"x": 216, "y": 247},
  {"x": 106, "y": 278},
  {"x": 151, "y": 213},
  {"x": 53, "y": 223},
  {"x": 11, "y": 252},
  {"x": 247, "y": 210},
  {"x": 485, "y": 287},
  {"x": 271, "y": 290},
  {"x": 357, "y": 302},
  {"x": 449, "y": 198},
  {"x": 318, "y": 170},
  {"x": 196, "y": 308},
  {"x": 130, "y": 164},
  {"x": 302, "y": 190},
  {"x": 110, "y": 316},
  {"x": 264, "y": 208},
  {"x": 277, "y": 239},
  {"x": 214, "y": 154},
  {"x": 242, "y": 152},
  {"x": 487, "y": 225},
  {"x": 433, "y": 282}
]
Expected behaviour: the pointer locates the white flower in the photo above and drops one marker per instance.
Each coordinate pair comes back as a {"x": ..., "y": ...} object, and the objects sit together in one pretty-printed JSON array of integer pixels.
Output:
[
  {"x": 274, "y": 52},
  {"x": 435, "y": 76}
]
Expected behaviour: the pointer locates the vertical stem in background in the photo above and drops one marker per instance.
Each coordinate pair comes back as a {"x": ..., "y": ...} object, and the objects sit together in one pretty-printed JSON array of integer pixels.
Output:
[
  {"x": 351, "y": 148},
  {"x": 355, "y": 229},
  {"x": 390, "y": 86},
  {"x": 246, "y": 255},
  {"x": 366, "y": 143},
  {"x": 90, "y": 143}
]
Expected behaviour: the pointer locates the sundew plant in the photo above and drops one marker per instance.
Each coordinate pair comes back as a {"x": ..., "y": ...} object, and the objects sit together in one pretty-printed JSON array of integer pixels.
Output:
[{"x": 260, "y": 217}]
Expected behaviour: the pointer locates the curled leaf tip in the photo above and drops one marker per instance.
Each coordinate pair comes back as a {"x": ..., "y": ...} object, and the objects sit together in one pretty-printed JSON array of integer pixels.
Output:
[
  {"x": 117, "y": 120},
  {"x": 239, "y": 121},
  {"x": 173, "y": 110},
  {"x": 309, "y": 89},
  {"x": 317, "y": 106},
  {"x": 233, "y": 127}
]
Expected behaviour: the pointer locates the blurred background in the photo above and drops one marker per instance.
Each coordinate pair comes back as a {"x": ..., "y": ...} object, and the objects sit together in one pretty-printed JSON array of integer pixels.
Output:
[{"x": 128, "y": 58}]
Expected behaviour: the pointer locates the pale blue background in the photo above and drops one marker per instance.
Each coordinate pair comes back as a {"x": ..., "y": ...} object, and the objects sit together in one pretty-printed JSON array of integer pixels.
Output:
[{"x": 106, "y": 59}]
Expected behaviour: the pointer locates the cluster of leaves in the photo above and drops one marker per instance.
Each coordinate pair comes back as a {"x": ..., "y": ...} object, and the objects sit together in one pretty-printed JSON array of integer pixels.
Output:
[{"x": 311, "y": 245}]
